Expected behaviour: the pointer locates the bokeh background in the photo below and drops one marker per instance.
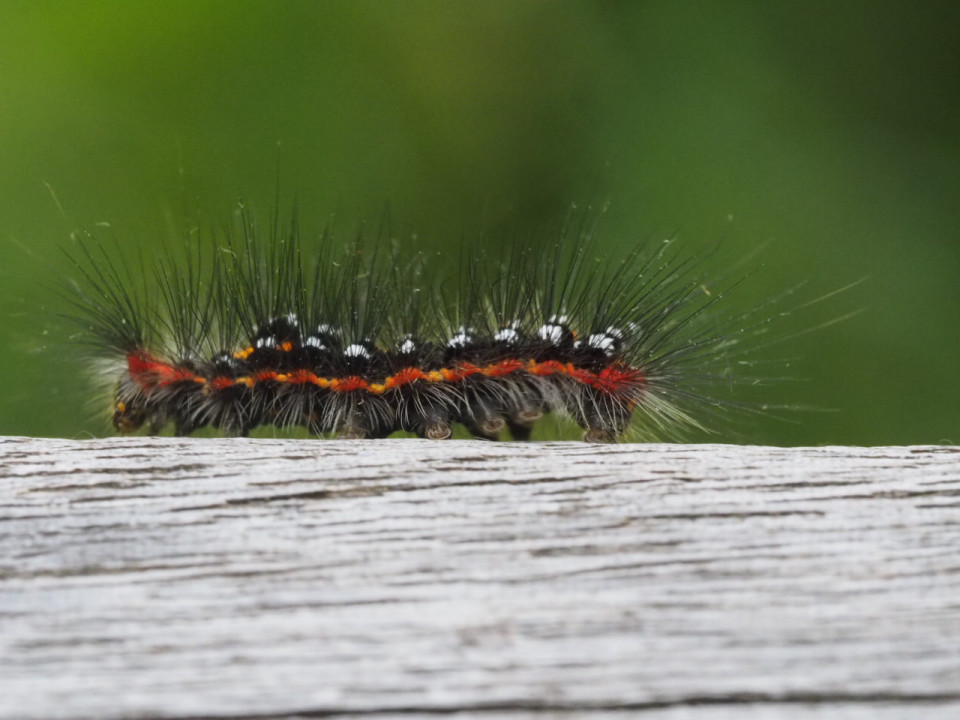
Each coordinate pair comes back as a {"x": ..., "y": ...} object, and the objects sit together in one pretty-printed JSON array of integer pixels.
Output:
[{"x": 826, "y": 133}]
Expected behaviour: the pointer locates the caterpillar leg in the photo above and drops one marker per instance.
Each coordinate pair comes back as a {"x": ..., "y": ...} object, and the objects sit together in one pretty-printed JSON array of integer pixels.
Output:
[
  {"x": 127, "y": 419},
  {"x": 431, "y": 422},
  {"x": 435, "y": 429},
  {"x": 603, "y": 417},
  {"x": 520, "y": 423},
  {"x": 130, "y": 407},
  {"x": 364, "y": 417},
  {"x": 188, "y": 415},
  {"x": 484, "y": 403},
  {"x": 426, "y": 410},
  {"x": 484, "y": 422},
  {"x": 361, "y": 427},
  {"x": 352, "y": 432},
  {"x": 599, "y": 435}
]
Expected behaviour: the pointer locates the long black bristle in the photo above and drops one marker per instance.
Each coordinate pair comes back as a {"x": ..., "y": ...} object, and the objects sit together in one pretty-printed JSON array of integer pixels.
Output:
[{"x": 250, "y": 329}]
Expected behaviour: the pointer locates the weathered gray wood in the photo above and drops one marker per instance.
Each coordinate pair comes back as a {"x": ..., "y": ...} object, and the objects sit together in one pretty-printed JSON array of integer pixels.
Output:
[{"x": 206, "y": 578}]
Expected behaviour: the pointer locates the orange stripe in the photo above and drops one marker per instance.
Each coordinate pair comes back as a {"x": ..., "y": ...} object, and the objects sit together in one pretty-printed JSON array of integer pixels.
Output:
[
  {"x": 149, "y": 372},
  {"x": 504, "y": 367},
  {"x": 348, "y": 384}
]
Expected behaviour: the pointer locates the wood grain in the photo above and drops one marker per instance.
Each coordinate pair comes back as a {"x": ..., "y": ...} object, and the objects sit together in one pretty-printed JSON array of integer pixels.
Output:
[{"x": 168, "y": 578}]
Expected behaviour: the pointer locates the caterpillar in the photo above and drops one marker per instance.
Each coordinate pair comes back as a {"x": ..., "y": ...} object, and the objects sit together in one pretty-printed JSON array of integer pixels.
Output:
[{"x": 252, "y": 328}]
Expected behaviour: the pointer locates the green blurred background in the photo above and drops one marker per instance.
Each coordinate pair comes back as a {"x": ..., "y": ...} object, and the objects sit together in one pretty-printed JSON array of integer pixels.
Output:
[{"x": 827, "y": 133}]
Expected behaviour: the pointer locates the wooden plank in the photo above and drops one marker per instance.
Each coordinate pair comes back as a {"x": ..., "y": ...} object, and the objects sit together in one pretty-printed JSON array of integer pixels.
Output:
[{"x": 183, "y": 578}]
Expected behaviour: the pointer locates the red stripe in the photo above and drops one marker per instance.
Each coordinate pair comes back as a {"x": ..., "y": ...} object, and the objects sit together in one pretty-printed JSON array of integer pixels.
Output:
[{"x": 149, "y": 372}]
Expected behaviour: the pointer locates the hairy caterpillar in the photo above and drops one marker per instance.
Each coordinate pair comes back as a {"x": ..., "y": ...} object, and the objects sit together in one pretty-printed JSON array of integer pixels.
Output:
[{"x": 360, "y": 342}]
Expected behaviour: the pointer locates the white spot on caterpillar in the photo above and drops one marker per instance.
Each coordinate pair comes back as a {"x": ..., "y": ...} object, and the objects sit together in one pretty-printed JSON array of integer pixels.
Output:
[
  {"x": 551, "y": 333},
  {"x": 508, "y": 335},
  {"x": 266, "y": 342},
  {"x": 323, "y": 332},
  {"x": 408, "y": 346},
  {"x": 461, "y": 339},
  {"x": 602, "y": 341},
  {"x": 356, "y": 351}
]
